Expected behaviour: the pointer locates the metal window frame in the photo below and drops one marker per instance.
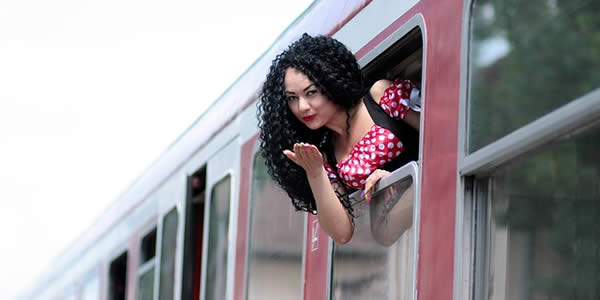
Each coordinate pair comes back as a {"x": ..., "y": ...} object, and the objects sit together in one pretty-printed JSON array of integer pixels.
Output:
[{"x": 578, "y": 115}]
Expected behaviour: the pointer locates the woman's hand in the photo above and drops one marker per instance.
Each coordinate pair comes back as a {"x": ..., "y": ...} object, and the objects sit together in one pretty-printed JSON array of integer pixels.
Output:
[
  {"x": 308, "y": 157},
  {"x": 370, "y": 183}
]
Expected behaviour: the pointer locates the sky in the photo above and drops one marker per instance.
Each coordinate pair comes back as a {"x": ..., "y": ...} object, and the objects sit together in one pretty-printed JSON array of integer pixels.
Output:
[{"x": 92, "y": 92}]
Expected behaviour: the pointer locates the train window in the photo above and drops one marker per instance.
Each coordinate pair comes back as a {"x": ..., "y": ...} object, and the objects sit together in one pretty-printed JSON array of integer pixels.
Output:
[
  {"x": 379, "y": 261},
  {"x": 527, "y": 62},
  {"x": 117, "y": 285},
  {"x": 276, "y": 233},
  {"x": 167, "y": 255},
  {"x": 218, "y": 237},
  {"x": 146, "y": 283},
  {"x": 404, "y": 60},
  {"x": 532, "y": 150},
  {"x": 146, "y": 270},
  {"x": 148, "y": 247},
  {"x": 194, "y": 224},
  {"x": 543, "y": 236}
]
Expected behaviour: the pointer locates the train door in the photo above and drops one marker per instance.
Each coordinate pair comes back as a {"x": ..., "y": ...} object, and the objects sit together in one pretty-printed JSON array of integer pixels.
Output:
[{"x": 194, "y": 225}]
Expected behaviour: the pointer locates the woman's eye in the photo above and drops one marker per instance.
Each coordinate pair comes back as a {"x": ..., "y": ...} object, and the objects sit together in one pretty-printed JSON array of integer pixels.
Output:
[
  {"x": 310, "y": 93},
  {"x": 291, "y": 98}
]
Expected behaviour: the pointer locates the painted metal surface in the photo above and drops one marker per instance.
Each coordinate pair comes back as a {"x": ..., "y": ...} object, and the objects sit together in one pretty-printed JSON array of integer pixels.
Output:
[
  {"x": 241, "y": 254},
  {"x": 317, "y": 254}
]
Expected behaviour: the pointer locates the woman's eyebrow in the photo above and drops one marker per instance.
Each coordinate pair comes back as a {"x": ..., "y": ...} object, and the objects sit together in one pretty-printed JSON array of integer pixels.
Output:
[{"x": 308, "y": 87}]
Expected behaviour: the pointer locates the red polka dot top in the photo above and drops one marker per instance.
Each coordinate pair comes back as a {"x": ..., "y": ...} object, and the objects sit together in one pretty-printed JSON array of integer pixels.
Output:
[{"x": 379, "y": 145}]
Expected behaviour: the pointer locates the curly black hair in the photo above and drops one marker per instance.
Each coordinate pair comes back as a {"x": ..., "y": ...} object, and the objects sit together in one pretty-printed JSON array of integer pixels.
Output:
[{"x": 335, "y": 72}]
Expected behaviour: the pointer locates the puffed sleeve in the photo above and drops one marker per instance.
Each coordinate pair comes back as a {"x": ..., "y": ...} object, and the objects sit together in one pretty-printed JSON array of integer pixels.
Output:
[
  {"x": 330, "y": 173},
  {"x": 396, "y": 98}
]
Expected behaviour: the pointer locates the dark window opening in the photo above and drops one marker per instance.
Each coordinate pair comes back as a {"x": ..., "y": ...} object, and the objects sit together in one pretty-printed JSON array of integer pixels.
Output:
[
  {"x": 148, "y": 248},
  {"x": 192, "y": 257},
  {"x": 118, "y": 278},
  {"x": 384, "y": 230},
  {"x": 402, "y": 60}
]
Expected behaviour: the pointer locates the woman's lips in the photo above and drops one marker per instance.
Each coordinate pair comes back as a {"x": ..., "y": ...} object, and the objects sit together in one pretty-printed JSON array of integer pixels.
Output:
[{"x": 309, "y": 118}]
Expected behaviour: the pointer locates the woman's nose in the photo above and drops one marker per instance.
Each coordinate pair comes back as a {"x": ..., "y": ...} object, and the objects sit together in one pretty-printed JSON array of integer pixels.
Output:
[{"x": 303, "y": 104}]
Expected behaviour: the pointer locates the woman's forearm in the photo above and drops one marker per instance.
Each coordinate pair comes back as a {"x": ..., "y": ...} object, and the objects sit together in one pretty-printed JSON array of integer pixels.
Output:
[{"x": 332, "y": 215}]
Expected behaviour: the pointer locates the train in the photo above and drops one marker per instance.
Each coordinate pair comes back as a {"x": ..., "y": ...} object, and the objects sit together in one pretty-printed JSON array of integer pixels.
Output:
[{"x": 505, "y": 191}]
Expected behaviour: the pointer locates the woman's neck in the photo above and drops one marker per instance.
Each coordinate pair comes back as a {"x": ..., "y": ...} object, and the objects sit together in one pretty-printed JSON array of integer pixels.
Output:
[{"x": 359, "y": 121}]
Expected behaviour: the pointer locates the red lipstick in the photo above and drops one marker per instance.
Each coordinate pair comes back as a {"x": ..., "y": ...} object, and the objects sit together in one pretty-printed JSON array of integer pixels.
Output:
[{"x": 309, "y": 118}]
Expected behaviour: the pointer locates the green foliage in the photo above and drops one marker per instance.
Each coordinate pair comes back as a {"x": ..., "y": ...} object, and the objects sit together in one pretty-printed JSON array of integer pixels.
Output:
[
  {"x": 551, "y": 56},
  {"x": 555, "y": 195}
]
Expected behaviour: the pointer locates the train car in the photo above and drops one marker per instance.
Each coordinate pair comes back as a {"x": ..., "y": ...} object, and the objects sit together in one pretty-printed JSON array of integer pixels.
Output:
[{"x": 505, "y": 200}]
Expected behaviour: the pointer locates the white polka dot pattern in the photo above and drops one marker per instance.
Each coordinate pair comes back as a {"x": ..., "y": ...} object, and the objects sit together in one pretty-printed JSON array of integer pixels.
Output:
[
  {"x": 379, "y": 146},
  {"x": 354, "y": 172},
  {"x": 396, "y": 97}
]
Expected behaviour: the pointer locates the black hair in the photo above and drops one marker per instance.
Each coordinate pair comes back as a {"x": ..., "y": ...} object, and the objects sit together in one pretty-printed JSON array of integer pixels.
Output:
[{"x": 335, "y": 72}]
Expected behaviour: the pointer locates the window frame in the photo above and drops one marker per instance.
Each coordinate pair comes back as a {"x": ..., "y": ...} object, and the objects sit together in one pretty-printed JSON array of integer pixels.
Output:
[
  {"x": 472, "y": 210},
  {"x": 415, "y": 22}
]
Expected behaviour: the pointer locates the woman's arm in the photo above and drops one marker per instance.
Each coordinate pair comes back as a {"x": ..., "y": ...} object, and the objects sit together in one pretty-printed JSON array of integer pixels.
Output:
[
  {"x": 333, "y": 217},
  {"x": 412, "y": 118}
]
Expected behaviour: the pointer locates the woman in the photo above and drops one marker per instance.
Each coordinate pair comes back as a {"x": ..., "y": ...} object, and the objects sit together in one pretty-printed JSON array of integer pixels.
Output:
[{"x": 312, "y": 114}]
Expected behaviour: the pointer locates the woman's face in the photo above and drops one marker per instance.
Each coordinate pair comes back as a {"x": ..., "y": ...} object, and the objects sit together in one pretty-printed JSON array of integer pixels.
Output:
[{"x": 307, "y": 102}]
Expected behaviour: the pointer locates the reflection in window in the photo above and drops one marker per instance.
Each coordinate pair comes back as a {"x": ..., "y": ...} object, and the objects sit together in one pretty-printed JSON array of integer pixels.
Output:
[
  {"x": 545, "y": 228},
  {"x": 275, "y": 252},
  {"x": 218, "y": 236},
  {"x": 146, "y": 268},
  {"x": 528, "y": 58},
  {"x": 167, "y": 255},
  {"x": 146, "y": 284},
  {"x": 378, "y": 262}
]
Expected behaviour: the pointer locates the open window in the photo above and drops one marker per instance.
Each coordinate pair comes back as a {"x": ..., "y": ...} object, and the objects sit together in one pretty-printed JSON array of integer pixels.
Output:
[
  {"x": 194, "y": 220},
  {"x": 380, "y": 260},
  {"x": 117, "y": 285}
]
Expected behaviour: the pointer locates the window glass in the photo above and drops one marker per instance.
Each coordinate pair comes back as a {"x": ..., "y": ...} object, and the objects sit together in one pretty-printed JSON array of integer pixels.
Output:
[
  {"x": 276, "y": 239},
  {"x": 167, "y": 255},
  {"x": 545, "y": 228},
  {"x": 146, "y": 285},
  {"x": 91, "y": 289},
  {"x": 378, "y": 262},
  {"x": 218, "y": 236},
  {"x": 528, "y": 58},
  {"x": 148, "y": 247}
]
